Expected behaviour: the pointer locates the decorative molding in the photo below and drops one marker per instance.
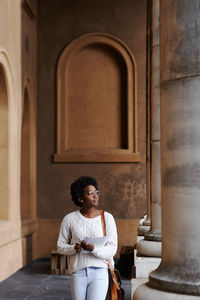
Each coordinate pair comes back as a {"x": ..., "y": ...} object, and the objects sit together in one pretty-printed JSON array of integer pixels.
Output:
[
  {"x": 117, "y": 50},
  {"x": 29, "y": 9},
  {"x": 5, "y": 64}
]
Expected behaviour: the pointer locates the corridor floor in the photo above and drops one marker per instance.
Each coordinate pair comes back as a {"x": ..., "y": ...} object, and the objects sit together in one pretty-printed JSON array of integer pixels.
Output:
[{"x": 35, "y": 282}]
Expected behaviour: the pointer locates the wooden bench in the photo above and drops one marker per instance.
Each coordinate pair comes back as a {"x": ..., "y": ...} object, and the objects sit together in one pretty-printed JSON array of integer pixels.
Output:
[{"x": 58, "y": 263}]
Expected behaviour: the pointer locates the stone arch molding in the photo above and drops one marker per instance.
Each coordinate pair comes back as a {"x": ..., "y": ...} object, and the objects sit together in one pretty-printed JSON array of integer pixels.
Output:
[
  {"x": 6, "y": 67},
  {"x": 26, "y": 89},
  {"x": 28, "y": 153},
  {"x": 25, "y": 184},
  {"x": 110, "y": 136}
]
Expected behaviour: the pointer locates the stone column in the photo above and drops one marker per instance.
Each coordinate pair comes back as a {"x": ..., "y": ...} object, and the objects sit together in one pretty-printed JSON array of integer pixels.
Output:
[
  {"x": 145, "y": 225},
  {"x": 155, "y": 233},
  {"x": 148, "y": 247},
  {"x": 178, "y": 276}
]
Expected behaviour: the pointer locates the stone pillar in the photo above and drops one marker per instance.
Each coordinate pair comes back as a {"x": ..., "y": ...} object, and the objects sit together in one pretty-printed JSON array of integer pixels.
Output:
[
  {"x": 148, "y": 247},
  {"x": 178, "y": 276},
  {"x": 155, "y": 233},
  {"x": 145, "y": 225},
  {"x": 148, "y": 252}
]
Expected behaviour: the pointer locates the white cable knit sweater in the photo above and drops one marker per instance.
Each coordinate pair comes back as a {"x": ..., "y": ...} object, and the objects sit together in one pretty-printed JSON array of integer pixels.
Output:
[{"x": 74, "y": 228}]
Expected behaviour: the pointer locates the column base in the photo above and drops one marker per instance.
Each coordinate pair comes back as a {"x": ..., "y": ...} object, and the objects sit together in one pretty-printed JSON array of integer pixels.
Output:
[
  {"x": 145, "y": 292},
  {"x": 145, "y": 265},
  {"x": 143, "y": 229},
  {"x": 149, "y": 248},
  {"x": 147, "y": 222},
  {"x": 176, "y": 278},
  {"x": 140, "y": 238},
  {"x": 153, "y": 236},
  {"x": 135, "y": 283}
]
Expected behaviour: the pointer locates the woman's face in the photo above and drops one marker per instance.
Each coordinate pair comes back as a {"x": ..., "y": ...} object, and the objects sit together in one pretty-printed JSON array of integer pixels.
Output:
[{"x": 90, "y": 196}]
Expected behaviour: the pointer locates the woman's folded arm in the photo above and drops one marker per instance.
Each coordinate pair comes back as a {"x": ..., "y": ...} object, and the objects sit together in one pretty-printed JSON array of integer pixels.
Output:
[{"x": 63, "y": 243}]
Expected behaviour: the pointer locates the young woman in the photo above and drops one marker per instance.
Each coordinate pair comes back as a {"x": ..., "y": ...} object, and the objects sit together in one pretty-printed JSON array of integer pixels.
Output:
[{"x": 87, "y": 263}]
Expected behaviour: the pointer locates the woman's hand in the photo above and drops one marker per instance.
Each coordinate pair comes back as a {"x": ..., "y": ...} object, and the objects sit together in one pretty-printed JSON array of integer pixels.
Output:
[
  {"x": 78, "y": 248},
  {"x": 86, "y": 246}
]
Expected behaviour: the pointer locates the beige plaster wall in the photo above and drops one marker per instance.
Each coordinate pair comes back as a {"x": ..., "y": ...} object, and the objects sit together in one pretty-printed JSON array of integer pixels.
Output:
[
  {"x": 13, "y": 234},
  {"x": 10, "y": 59},
  {"x": 11, "y": 258},
  {"x": 122, "y": 185}
]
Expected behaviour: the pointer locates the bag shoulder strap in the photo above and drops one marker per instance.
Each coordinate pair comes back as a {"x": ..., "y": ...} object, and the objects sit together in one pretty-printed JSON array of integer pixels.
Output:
[
  {"x": 108, "y": 260},
  {"x": 103, "y": 222}
]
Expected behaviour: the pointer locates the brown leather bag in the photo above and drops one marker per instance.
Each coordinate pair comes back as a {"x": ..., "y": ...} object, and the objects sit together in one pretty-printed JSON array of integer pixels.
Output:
[{"x": 115, "y": 292}]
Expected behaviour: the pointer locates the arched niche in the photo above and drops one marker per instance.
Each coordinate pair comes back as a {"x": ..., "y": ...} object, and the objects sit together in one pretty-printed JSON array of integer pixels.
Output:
[
  {"x": 96, "y": 101},
  {"x": 3, "y": 146},
  {"x": 25, "y": 193}
]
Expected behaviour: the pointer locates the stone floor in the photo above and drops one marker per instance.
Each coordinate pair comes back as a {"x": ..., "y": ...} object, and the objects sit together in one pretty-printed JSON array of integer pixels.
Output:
[{"x": 35, "y": 282}]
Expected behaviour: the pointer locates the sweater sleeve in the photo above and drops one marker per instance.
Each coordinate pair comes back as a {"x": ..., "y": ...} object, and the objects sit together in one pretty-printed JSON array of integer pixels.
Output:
[
  {"x": 109, "y": 250},
  {"x": 63, "y": 243}
]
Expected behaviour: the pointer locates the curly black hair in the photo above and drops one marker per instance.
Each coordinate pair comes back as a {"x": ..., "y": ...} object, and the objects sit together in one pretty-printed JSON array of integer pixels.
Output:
[{"x": 78, "y": 185}]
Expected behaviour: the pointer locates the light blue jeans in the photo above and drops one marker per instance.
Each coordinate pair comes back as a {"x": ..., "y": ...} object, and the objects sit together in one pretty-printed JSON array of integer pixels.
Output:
[{"x": 89, "y": 284}]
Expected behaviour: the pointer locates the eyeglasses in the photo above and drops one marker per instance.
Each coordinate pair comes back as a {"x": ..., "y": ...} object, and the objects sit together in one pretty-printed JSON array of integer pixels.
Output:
[{"x": 92, "y": 193}]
